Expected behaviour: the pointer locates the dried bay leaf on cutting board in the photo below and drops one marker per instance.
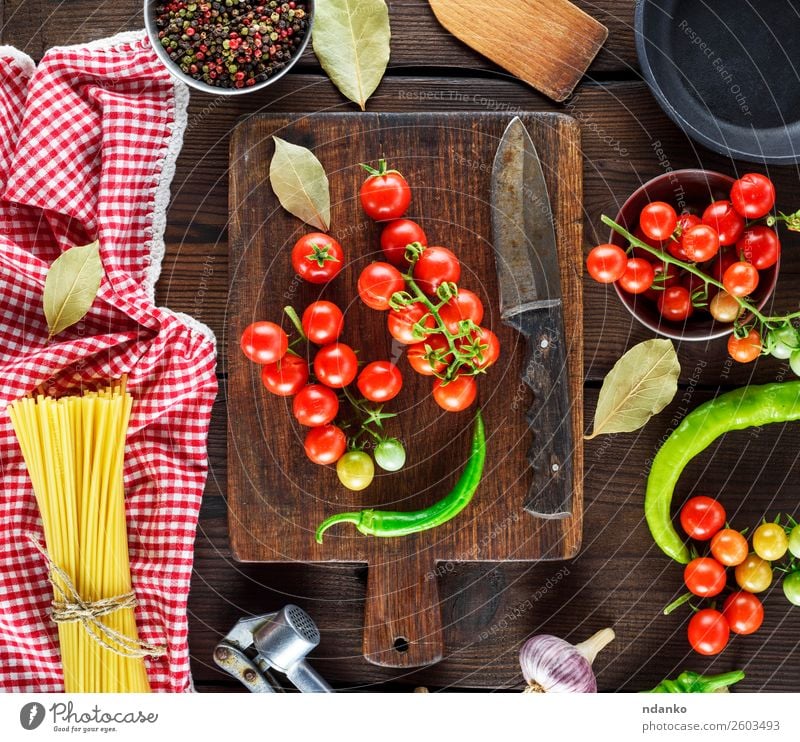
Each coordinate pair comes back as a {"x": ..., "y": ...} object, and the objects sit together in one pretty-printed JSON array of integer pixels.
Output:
[
  {"x": 351, "y": 39},
  {"x": 641, "y": 384},
  {"x": 300, "y": 183},
  {"x": 71, "y": 286}
]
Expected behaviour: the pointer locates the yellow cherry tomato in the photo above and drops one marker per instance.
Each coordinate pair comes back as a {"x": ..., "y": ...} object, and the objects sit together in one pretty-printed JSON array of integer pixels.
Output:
[
  {"x": 754, "y": 574},
  {"x": 355, "y": 470},
  {"x": 770, "y": 541}
]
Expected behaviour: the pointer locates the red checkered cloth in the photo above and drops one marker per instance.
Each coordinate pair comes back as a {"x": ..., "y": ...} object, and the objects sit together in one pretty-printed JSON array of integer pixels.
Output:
[{"x": 88, "y": 143}]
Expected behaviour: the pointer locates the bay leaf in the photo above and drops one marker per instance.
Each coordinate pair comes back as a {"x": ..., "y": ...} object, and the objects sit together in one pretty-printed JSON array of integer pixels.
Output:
[
  {"x": 300, "y": 183},
  {"x": 641, "y": 384},
  {"x": 71, "y": 286},
  {"x": 351, "y": 40}
]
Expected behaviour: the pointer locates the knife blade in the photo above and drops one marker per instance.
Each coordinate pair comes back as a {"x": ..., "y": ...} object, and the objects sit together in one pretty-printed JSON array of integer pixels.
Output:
[{"x": 529, "y": 281}]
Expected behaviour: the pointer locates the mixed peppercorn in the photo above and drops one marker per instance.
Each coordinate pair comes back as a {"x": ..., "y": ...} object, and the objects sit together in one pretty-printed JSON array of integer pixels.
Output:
[{"x": 231, "y": 43}]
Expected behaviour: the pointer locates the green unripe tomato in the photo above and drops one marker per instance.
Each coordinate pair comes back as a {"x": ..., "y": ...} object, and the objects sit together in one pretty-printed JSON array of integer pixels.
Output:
[
  {"x": 390, "y": 455},
  {"x": 783, "y": 342},
  {"x": 794, "y": 363},
  {"x": 355, "y": 470},
  {"x": 770, "y": 542},
  {"x": 754, "y": 574},
  {"x": 794, "y": 541},
  {"x": 791, "y": 588}
]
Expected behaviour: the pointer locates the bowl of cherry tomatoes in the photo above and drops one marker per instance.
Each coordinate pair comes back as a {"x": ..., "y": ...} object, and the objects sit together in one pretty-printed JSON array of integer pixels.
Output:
[{"x": 713, "y": 223}]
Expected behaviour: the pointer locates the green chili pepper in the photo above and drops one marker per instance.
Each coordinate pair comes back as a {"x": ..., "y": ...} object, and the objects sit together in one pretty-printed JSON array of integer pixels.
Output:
[
  {"x": 386, "y": 523},
  {"x": 692, "y": 682},
  {"x": 751, "y": 406}
]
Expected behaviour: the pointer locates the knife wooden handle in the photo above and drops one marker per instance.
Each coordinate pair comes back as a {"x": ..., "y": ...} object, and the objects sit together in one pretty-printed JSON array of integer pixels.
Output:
[{"x": 550, "y": 416}]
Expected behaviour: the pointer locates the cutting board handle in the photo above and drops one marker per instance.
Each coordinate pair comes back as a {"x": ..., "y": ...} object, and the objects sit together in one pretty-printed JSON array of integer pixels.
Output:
[{"x": 402, "y": 615}]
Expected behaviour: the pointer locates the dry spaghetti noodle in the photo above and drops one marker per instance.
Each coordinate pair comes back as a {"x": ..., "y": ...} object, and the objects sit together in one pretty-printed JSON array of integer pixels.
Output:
[{"x": 73, "y": 448}]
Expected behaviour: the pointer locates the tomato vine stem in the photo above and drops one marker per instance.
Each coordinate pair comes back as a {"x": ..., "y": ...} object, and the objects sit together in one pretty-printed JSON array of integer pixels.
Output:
[{"x": 767, "y": 321}]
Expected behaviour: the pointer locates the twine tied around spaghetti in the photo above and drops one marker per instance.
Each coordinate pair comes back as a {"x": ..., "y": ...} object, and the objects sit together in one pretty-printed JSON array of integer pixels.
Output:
[{"x": 70, "y": 607}]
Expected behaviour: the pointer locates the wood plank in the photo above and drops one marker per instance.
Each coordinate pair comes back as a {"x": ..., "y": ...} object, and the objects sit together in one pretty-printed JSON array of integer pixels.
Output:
[
  {"x": 619, "y": 579},
  {"x": 417, "y": 38},
  {"x": 271, "y": 503},
  {"x": 626, "y": 139}
]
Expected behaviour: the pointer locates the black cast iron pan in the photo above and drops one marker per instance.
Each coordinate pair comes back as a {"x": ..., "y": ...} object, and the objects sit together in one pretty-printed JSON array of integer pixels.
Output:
[{"x": 727, "y": 72}]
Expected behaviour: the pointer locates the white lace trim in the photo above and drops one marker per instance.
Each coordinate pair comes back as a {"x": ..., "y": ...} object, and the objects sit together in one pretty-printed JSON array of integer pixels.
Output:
[
  {"x": 161, "y": 195},
  {"x": 27, "y": 65}
]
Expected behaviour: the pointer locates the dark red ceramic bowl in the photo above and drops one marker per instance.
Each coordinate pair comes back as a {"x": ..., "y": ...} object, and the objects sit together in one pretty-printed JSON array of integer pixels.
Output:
[{"x": 690, "y": 190}]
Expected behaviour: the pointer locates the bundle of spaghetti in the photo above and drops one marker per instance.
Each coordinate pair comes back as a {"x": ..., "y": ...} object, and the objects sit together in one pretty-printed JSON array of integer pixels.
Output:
[{"x": 73, "y": 449}]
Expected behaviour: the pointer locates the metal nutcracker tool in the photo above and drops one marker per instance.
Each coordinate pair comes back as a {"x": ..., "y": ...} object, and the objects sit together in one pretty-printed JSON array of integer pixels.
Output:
[{"x": 255, "y": 647}]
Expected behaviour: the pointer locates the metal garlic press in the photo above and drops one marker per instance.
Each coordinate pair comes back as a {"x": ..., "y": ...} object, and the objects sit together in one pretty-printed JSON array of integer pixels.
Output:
[{"x": 255, "y": 647}]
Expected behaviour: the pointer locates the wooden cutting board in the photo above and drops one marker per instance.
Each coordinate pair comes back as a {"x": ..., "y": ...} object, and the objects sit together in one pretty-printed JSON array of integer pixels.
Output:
[
  {"x": 547, "y": 43},
  {"x": 276, "y": 497}
]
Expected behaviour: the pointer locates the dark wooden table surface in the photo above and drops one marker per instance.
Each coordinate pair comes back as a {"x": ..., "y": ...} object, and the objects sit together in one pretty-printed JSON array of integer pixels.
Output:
[{"x": 619, "y": 578}]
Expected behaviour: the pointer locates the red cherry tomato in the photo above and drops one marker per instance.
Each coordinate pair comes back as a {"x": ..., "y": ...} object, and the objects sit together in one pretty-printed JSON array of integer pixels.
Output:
[
  {"x": 674, "y": 246},
  {"x": 606, "y": 263},
  {"x": 729, "y": 547},
  {"x": 692, "y": 283},
  {"x": 335, "y": 365},
  {"x": 728, "y": 223},
  {"x": 705, "y": 577},
  {"x": 317, "y": 258},
  {"x": 702, "y": 517},
  {"x": 664, "y": 276},
  {"x": 455, "y": 395},
  {"x": 421, "y": 355},
  {"x": 286, "y": 376},
  {"x": 315, "y": 405},
  {"x": 655, "y": 244},
  {"x": 465, "y": 305},
  {"x": 744, "y": 613},
  {"x": 740, "y": 279},
  {"x": 753, "y": 195},
  {"x": 325, "y": 444},
  {"x": 264, "y": 342},
  {"x": 377, "y": 283},
  {"x": 759, "y": 246},
  {"x": 700, "y": 243},
  {"x": 484, "y": 344},
  {"x": 658, "y": 220},
  {"x": 675, "y": 303},
  {"x": 436, "y": 265},
  {"x": 746, "y": 349},
  {"x": 401, "y": 322},
  {"x": 638, "y": 276},
  {"x": 380, "y": 381},
  {"x": 724, "y": 260},
  {"x": 396, "y": 236},
  {"x": 323, "y": 322},
  {"x": 708, "y": 632},
  {"x": 385, "y": 194},
  {"x": 687, "y": 221}
]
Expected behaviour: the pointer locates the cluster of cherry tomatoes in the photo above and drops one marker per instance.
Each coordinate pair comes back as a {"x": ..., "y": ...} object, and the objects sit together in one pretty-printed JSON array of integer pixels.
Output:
[
  {"x": 317, "y": 404},
  {"x": 742, "y": 612},
  {"x": 417, "y": 285},
  {"x": 724, "y": 242},
  {"x": 426, "y": 311}
]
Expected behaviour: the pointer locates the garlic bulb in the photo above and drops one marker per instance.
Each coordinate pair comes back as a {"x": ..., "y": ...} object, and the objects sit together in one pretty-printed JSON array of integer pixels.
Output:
[{"x": 552, "y": 665}]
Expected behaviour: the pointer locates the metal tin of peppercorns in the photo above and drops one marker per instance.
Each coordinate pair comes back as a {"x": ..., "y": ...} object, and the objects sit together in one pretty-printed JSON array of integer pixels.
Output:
[{"x": 229, "y": 47}]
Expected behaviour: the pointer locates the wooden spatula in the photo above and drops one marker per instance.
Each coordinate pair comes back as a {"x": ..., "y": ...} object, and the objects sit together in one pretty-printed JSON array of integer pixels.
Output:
[{"x": 547, "y": 43}]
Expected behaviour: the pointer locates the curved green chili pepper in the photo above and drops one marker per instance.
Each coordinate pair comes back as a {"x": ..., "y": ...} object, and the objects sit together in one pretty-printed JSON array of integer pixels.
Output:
[
  {"x": 387, "y": 523},
  {"x": 748, "y": 407},
  {"x": 692, "y": 682}
]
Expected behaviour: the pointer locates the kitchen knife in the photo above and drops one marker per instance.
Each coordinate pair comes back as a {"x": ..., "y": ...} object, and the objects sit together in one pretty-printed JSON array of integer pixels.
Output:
[{"x": 529, "y": 282}]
